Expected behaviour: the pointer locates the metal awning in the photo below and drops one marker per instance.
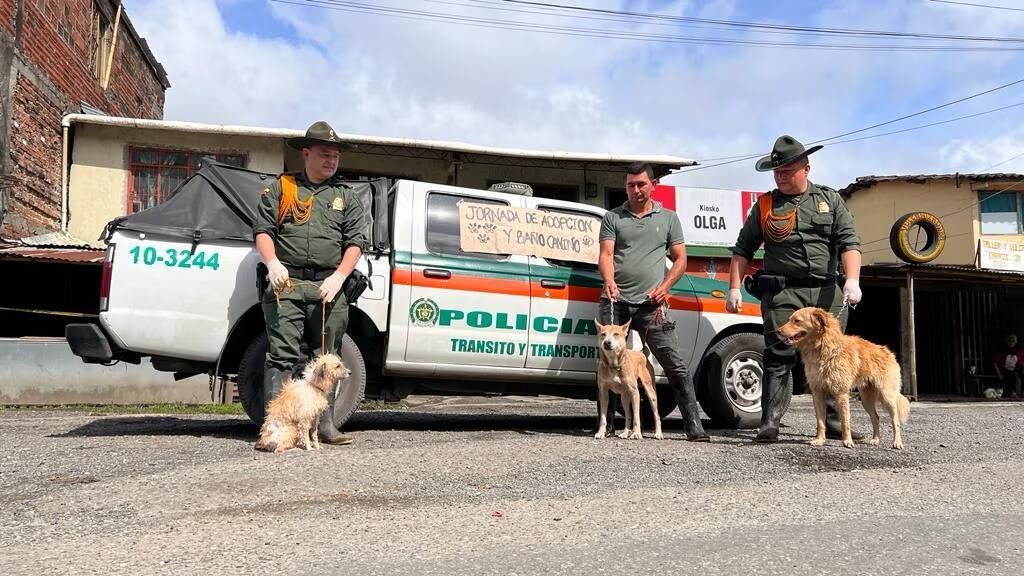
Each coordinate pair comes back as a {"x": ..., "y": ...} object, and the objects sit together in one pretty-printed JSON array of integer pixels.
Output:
[
  {"x": 364, "y": 140},
  {"x": 941, "y": 272},
  {"x": 87, "y": 256}
]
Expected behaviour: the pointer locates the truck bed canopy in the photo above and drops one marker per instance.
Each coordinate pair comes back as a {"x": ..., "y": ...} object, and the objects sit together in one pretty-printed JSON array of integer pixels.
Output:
[{"x": 219, "y": 202}]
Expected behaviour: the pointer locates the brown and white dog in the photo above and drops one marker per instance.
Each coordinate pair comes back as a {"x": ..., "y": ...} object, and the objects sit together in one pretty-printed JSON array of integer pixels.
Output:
[
  {"x": 837, "y": 364},
  {"x": 292, "y": 415},
  {"x": 619, "y": 369}
]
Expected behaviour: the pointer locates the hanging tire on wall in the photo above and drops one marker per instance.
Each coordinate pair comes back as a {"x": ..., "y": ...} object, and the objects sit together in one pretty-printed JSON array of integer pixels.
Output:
[{"x": 905, "y": 241}]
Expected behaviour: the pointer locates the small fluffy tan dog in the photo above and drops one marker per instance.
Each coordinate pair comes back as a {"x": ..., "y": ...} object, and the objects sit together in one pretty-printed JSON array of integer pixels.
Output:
[
  {"x": 618, "y": 370},
  {"x": 292, "y": 416},
  {"x": 837, "y": 364}
]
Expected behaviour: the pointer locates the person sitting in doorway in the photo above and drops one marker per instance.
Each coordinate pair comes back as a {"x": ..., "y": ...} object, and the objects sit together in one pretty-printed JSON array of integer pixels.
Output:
[{"x": 1009, "y": 363}]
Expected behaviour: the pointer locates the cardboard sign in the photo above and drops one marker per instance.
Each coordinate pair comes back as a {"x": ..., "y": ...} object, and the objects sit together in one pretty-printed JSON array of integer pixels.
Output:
[
  {"x": 497, "y": 229},
  {"x": 1001, "y": 255}
]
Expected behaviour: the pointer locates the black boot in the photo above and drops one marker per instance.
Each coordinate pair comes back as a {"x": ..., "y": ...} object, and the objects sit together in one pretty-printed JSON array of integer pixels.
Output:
[
  {"x": 273, "y": 381},
  {"x": 686, "y": 398},
  {"x": 776, "y": 393},
  {"x": 834, "y": 424},
  {"x": 329, "y": 433}
]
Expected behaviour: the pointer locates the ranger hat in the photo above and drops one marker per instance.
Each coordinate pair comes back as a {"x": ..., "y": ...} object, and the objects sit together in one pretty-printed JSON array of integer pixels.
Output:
[
  {"x": 320, "y": 133},
  {"x": 785, "y": 151}
]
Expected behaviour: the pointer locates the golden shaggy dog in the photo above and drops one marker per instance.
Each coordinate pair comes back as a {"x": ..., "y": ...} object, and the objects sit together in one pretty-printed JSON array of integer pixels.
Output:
[
  {"x": 293, "y": 414},
  {"x": 837, "y": 364}
]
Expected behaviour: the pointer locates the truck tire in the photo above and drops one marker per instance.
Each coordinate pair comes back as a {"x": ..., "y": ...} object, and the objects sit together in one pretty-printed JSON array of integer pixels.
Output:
[
  {"x": 729, "y": 383},
  {"x": 350, "y": 393},
  {"x": 250, "y": 380}
]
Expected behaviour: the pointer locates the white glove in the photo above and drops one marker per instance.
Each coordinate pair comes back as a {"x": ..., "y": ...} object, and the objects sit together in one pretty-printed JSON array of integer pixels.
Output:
[
  {"x": 330, "y": 286},
  {"x": 277, "y": 273},
  {"x": 735, "y": 301},
  {"x": 851, "y": 291}
]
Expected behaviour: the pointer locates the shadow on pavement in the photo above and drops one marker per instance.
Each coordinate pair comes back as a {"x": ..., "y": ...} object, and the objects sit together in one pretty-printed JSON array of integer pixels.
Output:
[
  {"x": 163, "y": 426},
  {"x": 383, "y": 420}
]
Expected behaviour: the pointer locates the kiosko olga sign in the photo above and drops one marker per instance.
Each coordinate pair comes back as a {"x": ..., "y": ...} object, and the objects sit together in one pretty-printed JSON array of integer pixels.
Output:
[{"x": 709, "y": 217}]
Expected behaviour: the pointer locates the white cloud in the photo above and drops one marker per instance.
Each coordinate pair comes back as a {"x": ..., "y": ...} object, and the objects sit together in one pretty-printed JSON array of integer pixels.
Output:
[{"x": 376, "y": 75}]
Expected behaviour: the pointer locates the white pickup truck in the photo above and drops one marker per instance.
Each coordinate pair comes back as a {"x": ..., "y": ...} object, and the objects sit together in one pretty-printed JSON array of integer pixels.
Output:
[{"x": 181, "y": 285}]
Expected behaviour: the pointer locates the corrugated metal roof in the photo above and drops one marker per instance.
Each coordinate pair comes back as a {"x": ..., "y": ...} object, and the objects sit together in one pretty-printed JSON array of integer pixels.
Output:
[
  {"x": 230, "y": 130},
  {"x": 67, "y": 255},
  {"x": 953, "y": 271},
  {"x": 868, "y": 181},
  {"x": 54, "y": 240}
]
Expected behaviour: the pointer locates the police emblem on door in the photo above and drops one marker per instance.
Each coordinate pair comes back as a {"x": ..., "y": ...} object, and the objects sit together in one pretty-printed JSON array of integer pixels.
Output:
[{"x": 423, "y": 312}]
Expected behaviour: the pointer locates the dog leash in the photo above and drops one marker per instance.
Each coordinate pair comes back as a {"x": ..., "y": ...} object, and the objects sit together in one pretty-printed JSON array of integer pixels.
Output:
[{"x": 323, "y": 326}]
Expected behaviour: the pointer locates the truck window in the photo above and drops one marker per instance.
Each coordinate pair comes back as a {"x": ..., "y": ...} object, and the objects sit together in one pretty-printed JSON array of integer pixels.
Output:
[
  {"x": 571, "y": 263},
  {"x": 443, "y": 224}
]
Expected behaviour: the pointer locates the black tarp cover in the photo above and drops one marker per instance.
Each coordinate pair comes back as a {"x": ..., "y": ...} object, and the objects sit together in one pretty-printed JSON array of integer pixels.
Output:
[{"x": 218, "y": 202}]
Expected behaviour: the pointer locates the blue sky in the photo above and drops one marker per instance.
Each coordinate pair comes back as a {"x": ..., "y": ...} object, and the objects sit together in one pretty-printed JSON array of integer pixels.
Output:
[{"x": 263, "y": 63}]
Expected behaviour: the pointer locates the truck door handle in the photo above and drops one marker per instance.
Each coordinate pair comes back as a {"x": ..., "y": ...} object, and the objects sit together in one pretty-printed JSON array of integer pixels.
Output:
[
  {"x": 552, "y": 283},
  {"x": 437, "y": 273}
]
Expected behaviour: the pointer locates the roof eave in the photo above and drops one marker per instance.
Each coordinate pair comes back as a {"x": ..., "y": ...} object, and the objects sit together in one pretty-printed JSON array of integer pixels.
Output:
[{"x": 234, "y": 130}]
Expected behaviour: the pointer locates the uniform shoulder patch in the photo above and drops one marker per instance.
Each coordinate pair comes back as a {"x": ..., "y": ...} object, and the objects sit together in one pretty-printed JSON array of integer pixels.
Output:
[{"x": 338, "y": 204}]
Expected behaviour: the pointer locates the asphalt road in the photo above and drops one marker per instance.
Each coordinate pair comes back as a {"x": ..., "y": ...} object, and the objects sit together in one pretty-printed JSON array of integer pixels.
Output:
[{"x": 509, "y": 486}]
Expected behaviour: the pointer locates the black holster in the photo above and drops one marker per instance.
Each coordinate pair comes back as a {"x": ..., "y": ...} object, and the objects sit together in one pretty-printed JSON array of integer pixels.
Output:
[
  {"x": 355, "y": 285},
  {"x": 761, "y": 284}
]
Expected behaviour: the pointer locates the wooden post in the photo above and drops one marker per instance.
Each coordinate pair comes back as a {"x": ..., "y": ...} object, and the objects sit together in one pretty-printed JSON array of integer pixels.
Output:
[
  {"x": 909, "y": 343},
  {"x": 113, "y": 47}
]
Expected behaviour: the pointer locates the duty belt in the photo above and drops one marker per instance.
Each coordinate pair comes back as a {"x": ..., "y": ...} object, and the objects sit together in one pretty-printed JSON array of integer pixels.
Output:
[
  {"x": 810, "y": 282},
  {"x": 313, "y": 274}
]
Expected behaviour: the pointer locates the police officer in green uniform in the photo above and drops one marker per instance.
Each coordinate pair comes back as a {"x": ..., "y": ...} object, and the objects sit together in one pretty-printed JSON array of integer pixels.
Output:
[
  {"x": 310, "y": 232},
  {"x": 807, "y": 231}
]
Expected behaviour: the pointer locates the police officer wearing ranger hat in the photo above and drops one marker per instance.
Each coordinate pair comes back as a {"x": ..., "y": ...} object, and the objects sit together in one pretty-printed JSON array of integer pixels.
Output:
[
  {"x": 310, "y": 231},
  {"x": 807, "y": 231}
]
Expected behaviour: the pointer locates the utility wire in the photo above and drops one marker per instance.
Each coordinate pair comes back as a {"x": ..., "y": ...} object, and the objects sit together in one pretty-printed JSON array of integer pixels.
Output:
[
  {"x": 909, "y": 129},
  {"x": 480, "y": 22},
  {"x": 732, "y": 160},
  {"x": 973, "y": 5},
  {"x": 760, "y": 25}
]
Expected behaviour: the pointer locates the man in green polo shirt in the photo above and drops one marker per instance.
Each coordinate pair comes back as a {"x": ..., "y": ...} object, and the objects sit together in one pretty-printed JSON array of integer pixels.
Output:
[
  {"x": 806, "y": 231},
  {"x": 310, "y": 229},
  {"x": 635, "y": 239}
]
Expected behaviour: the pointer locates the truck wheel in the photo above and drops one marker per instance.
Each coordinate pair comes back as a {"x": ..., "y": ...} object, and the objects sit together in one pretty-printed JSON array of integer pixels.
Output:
[
  {"x": 729, "y": 385},
  {"x": 250, "y": 380},
  {"x": 350, "y": 393}
]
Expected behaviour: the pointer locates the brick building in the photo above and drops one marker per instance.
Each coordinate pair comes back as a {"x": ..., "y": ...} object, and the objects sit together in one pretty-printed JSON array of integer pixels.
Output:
[{"x": 59, "y": 57}]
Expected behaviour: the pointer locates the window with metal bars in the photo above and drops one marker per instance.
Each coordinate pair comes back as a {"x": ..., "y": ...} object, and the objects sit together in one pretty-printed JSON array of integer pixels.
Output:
[{"x": 155, "y": 174}]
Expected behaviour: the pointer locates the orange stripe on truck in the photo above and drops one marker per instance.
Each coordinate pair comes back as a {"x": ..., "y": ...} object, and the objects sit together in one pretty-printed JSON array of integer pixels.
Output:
[
  {"x": 464, "y": 283},
  {"x": 403, "y": 276}
]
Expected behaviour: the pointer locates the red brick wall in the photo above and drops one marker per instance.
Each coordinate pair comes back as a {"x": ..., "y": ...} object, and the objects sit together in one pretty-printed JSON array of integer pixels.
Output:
[
  {"x": 52, "y": 74},
  {"x": 7, "y": 10},
  {"x": 35, "y": 158}
]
